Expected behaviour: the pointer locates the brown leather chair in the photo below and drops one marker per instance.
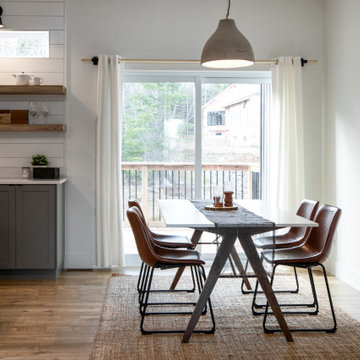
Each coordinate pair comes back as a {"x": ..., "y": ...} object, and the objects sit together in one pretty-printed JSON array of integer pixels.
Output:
[
  {"x": 157, "y": 257},
  {"x": 294, "y": 237},
  {"x": 168, "y": 241},
  {"x": 312, "y": 253},
  {"x": 172, "y": 241}
]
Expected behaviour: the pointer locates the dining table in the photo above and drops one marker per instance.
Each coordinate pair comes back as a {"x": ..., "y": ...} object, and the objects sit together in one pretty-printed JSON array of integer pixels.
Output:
[{"x": 252, "y": 217}]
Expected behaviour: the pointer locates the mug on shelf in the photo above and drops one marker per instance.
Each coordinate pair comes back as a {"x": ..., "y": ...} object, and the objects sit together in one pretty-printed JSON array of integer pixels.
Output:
[{"x": 36, "y": 80}]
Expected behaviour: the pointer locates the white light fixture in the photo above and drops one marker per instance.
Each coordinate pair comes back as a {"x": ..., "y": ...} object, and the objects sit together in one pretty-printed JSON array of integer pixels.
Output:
[{"x": 227, "y": 48}]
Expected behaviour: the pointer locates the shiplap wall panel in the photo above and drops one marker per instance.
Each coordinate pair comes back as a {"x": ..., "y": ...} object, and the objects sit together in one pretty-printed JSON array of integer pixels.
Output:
[
  {"x": 16, "y": 149},
  {"x": 34, "y": 22},
  {"x": 8, "y": 150},
  {"x": 27, "y": 8},
  {"x": 57, "y": 37},
  {"x": 10, "y": 172},
  {"x": 32, "y": 65},
  {"x": 32, "y": 138},
  {"x": 57, "y": 51},
  {"x": 20, "y": 162},
  {"x": 35, "y": 1}
]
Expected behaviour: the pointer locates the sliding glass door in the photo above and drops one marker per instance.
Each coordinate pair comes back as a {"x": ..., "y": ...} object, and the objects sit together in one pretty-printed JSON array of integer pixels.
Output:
[{"x": 187, "y": 136}]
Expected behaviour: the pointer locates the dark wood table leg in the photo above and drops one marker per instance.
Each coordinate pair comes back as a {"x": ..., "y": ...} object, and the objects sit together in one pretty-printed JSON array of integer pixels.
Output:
[
  {"x": 218, "y": 264},
  {"x": 194, "y": 239},
  {"x": 254, "y": 259},
  {"x": 240, "y": 267}
]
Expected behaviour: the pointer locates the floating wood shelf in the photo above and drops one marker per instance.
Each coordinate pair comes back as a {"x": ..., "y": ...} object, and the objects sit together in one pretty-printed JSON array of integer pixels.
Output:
[
  {"x": 33, "y": 128},
  {"x": 32, "y": 89}
]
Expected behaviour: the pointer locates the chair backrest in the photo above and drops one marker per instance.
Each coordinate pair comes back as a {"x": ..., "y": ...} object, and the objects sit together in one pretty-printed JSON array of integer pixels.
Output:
[
  {"x": 320, "y": 238},
  {"x": 307, "y": 209},
  {"x": 142, "y": 237},
  {"x": 135, "y": 202}
]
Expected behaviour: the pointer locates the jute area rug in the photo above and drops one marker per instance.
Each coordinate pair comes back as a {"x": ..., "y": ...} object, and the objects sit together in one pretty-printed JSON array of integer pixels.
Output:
[{"x": 238, "y": 334}]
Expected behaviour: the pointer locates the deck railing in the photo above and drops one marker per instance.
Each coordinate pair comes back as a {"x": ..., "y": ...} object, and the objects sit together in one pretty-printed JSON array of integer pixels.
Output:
[{"x": 151, "y": 181}]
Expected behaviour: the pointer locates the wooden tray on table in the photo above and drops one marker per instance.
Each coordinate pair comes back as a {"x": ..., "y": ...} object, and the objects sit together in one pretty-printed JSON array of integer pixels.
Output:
[{"x": 222, "y": 208}]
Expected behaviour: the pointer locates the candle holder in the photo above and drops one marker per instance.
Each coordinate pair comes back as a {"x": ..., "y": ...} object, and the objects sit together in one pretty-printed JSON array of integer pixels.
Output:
[{"x": 228, "y": 198}]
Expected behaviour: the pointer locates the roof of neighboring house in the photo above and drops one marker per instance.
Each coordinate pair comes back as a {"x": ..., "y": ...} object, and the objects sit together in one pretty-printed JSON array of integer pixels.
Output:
[{"x": 225, "y": 101}]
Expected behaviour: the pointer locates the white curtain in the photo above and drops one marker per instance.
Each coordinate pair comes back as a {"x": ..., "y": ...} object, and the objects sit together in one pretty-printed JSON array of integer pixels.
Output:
[
  {"x": 109, "y": 238},
  {"x": 286, "y": 136}
]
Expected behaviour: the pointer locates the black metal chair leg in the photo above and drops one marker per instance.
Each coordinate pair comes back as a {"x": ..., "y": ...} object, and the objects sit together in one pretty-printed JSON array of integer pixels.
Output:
[
  {"x": 313, "y": 289},
  {"x": 200, "y": 275},
  {"x": 254, "y": 304},
  {"x": 145, "y": 269},
  {"x": 144, "y": 292},
  {"x": 309, "y": 305},
  {"x": 333, "y": 329},
  {"x": 193, "y": 280},
  {"x": 328, "y": 330},
  {"x": 297, "y": 281},
  {"x": 212, "y": 330},
  {"x": 143, "y": 284},
  {"x": 254, "y": 298},
  {"x": 140, "y": 276}
]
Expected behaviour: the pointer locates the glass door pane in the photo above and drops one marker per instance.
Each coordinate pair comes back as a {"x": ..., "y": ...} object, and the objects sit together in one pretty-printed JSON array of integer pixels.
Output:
[
  {"x": 158, "y": 148},
  {"x": 231, "y": 146}
]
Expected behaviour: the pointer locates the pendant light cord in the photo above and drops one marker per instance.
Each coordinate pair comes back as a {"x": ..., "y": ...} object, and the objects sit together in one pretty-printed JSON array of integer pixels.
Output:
[{"x": 228, "y": 10}]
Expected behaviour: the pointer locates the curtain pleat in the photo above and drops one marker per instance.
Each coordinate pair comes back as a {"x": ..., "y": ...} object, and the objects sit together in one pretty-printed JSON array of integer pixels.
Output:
[
  {"x": 286, "y": 135},
  {"x": 109, "y": 238}
]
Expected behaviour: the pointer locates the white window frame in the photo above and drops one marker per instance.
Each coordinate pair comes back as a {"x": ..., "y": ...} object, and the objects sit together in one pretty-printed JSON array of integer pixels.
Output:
[{"x": 199, "y": 78}]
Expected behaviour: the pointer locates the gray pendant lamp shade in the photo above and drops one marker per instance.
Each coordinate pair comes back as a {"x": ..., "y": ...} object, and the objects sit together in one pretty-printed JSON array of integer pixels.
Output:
[{"x": 227, "y": 48}]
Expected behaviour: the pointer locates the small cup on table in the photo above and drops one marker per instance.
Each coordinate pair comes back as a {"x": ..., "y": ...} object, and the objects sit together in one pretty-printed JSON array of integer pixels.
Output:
[{"x": 217, "y": 201}]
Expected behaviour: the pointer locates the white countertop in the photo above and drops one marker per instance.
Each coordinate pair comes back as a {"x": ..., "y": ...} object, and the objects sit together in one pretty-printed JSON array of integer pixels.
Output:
[{"x": 20, "y": 181}]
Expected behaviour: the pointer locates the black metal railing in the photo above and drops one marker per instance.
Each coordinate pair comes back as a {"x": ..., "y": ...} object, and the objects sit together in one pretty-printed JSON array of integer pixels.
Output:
[{"x": 149, "y": 182}]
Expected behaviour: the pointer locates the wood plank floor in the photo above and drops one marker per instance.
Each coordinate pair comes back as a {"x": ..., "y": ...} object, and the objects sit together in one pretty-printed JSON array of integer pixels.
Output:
[
  {"x": 58, "y": 319},
  {"x": 51, "y": 319}
]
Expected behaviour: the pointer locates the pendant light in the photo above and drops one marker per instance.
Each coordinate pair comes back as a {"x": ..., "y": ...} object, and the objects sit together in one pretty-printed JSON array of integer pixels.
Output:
[{"x": 227, "y": 48}]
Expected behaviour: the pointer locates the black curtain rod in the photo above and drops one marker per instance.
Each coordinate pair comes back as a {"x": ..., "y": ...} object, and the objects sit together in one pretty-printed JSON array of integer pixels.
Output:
[{"x": 95, "y": 61}]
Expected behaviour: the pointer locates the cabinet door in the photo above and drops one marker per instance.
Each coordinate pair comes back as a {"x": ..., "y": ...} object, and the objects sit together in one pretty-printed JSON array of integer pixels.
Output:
[
  {"x": 7, "y": 227},
  {"x": 35, "y": 227}
]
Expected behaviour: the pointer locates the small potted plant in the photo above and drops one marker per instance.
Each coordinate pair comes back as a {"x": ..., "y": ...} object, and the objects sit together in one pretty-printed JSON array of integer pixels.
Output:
[
  {"x": 39, "y": 160},
  {"x": 41, "y": 170}
]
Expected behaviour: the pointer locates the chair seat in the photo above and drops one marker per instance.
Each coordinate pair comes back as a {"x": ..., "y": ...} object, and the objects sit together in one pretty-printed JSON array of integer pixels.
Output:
[
  {"x": 177, "y": 256},
  {"x": 172, "y": 241},
  {"x": 281, "y": 241},
  {"x": 296, "y": 255}
]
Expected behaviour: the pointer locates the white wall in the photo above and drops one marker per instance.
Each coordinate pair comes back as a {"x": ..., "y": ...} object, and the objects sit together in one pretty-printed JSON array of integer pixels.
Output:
[
  {"x": 342, "y": 132},
  {"x": 16, "y": 149},
  {"x": 173, "y": 29}
]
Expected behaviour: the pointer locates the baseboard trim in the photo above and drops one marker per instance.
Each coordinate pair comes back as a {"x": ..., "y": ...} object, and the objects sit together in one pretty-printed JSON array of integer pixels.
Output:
[
  {"x": 344, "y": 273},
  {"x": 79, "y": 261}
]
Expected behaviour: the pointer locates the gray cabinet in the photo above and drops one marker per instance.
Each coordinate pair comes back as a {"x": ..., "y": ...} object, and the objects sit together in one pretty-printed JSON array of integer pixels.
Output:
[
  {"x": 31, "y": 230},
  {"x": 7, "y": 227}
]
